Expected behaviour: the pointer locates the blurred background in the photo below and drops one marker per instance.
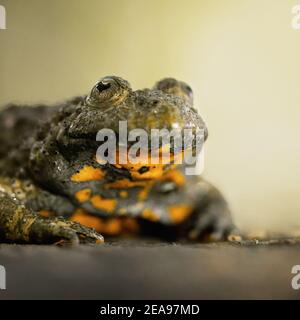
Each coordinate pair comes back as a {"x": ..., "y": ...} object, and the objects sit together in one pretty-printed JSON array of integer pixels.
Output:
[{"x": 241, "y": 57}]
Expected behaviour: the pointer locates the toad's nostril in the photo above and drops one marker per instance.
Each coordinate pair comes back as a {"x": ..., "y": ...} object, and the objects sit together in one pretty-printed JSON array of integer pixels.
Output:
[{"x": 101, "y": 86}]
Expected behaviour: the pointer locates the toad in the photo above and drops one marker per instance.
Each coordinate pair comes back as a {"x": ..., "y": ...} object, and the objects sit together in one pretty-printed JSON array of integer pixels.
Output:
[{"x": 54, "y": 188}]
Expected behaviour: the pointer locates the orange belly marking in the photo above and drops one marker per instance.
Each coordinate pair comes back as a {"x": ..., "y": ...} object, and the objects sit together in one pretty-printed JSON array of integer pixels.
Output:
[
  {"x": 110, "y": 226},
  {"x": 88, "y": 173},
  {"x": 179, "y": 213},
  {"x": 108, "y": 205}
]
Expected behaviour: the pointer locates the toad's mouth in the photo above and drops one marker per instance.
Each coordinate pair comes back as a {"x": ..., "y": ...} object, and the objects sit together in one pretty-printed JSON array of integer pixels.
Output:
[
  {"x": 146, "y": 166},
  {"x": 139, "y": 153},
  {"x": 139, "y": 160},
  {"x": 141, "y": 166},
  {"x": 139, "y": 171}
]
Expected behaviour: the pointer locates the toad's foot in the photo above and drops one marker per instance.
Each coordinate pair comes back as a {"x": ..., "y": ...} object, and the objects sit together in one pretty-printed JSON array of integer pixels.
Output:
[
  {"x": 211, "y": 225},
  {"x": 19, "y": 224},
  {"x": 212, "y": 220},
  {"x": 60, "y": 231}
]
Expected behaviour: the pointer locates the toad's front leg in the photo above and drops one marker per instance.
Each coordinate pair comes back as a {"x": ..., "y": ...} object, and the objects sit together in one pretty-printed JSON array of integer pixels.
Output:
[
  {"x": 211, "y": 219},
  {"x": 21, "y": 225}
]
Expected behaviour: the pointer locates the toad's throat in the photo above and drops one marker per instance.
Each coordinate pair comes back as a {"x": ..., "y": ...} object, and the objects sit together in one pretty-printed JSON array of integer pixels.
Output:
[
  {"x": 147, "y": 167},
  {"x": 141, "y": 171}
]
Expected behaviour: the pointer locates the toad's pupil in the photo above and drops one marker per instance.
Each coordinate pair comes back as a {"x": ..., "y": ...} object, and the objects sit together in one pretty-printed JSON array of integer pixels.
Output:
[
  {"x": 188, "y": 89},
  {"x": 101, "y": 86}
]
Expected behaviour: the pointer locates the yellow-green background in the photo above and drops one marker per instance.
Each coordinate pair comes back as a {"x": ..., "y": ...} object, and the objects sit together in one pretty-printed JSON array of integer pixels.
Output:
[{"x": 241, "y": 57}]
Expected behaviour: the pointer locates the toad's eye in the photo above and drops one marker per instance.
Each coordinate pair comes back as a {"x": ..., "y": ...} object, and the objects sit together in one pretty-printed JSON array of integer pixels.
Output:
[
  {"x": 108, "y": 91},
  {"x": 101, "y": 86},
  {"x": 177, "y": 88},
  {"x": 188, "y": 89}
]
